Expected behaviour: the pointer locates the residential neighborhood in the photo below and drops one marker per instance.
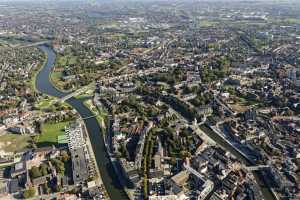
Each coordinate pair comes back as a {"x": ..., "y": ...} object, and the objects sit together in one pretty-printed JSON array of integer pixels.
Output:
[{"x": 158, "y": 100}]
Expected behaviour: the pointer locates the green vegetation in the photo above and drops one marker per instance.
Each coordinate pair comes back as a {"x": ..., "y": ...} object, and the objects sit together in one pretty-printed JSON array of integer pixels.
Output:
[
  {"x": 56, "y": 77},
  {"x": 68, "y": 59},
  {"x": 50, "y": 132},
  {"x": 13, "y": 142},
  {"x": 35, "y": 172},
  {"x": 44, "y": 103},
  {"x": 132, "y": 103},
  {"x": 34, "y": 73},
  {"x": 29, "y": 193},
  {"x": 84, "y": 96},
  {"x": 12, "y": 41},
  {"x": 101, "y": 113},
  {"x": 147, "y": 161},
  {"x": 46, "y": 189},
  {"x": 59, "y": 165},
  {"x": 175, "y": 77},
  {"x": 208, "y": 23},
  {"x": 49, "y": 104},
  {"x": 181, "y": 107},
  {"x": 202, "y": 99},
  {"x": 179, "y": 145}
]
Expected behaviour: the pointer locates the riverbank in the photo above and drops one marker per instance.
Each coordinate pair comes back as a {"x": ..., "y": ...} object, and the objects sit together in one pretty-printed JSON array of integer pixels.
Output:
[
  {"x": 109, "y": 177},
  {"x": 55, "y": 84},
  {"x": 36, "y": 72}
]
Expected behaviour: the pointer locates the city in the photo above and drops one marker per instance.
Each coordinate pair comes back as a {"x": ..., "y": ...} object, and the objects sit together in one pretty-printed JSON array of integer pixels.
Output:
[{"x": 150, "y": 99}]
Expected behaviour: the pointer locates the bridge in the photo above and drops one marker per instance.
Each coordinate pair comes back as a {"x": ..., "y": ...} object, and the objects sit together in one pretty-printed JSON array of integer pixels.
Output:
[
  {"x": 77, "y": 92},
  {"x": 89, "y": 117},
  {"x": 34, "y": 44},
  {"x": 120, "y": 77}
]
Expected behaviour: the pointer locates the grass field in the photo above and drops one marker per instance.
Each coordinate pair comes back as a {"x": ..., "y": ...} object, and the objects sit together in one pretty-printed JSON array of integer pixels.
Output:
[
  {"x": 50, "y": 131},
  {"x": 56, "y": 75},
  {"x": 208, "y": 23},
  {"x": 13, "y": 142},
  {"x": 56, "y": 79},
  {"x": 67, "y": 60},
  {"x": 44, "y": 103},
  {"x": 50, "y": 103}
]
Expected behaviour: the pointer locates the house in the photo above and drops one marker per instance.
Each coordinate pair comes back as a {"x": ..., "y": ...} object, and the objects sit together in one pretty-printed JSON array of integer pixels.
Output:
[
  {"x": 178, "y": 180},
  {"x": 14, "y": 186},
  {"x": 3, "y": 188},
  {"x": 40, "y": 180},
  {"x": 18, "y": 169}
]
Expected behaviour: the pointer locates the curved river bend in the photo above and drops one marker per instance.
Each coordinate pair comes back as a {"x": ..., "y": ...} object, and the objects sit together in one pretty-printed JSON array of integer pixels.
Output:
[{"x": 108, "y": 175}]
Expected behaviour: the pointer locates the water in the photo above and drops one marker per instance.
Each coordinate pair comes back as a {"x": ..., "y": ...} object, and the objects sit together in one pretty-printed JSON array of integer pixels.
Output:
[
  {"x": 108, "y": 175},
  {"x": 267, "y": 194},
  {"x": 110, "y": 179}
]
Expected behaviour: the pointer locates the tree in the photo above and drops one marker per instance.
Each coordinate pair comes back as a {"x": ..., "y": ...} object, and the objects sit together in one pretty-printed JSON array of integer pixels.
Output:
[
  {"x": 29, "y": 193},
  {"x": 44, "y": 169},
  {"x": 65, "y": 156},
  {"x": 57, "y": 188},
  {"x": 46, "y": 189},
  {"x": 37, "y": 125},
  {"x": 35, "y": 172},
  {"x": 59, "y": 165}
]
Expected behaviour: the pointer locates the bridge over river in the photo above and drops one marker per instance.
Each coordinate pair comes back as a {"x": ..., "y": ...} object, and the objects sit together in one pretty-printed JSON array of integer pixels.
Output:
[{"x": 108, "y": 175}]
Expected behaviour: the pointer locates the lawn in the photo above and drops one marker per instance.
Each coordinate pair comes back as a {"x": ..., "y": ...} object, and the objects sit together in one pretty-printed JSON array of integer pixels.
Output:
[
  {"x": 50, "y": 103},
  {"x": 208, "y": 23},
  {"x": 13, "y": 142},
  {"x": 67, "y": 60},
  {"x": 56, "y": 79},
  {"x": 44, "y": 103},
  {"x": 56, "y": 76},
  {"x": 50, "y": 132}
]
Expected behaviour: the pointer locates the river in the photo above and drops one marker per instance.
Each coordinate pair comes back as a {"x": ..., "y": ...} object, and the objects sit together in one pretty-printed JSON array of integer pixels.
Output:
[{"x": 108, "y": 175}]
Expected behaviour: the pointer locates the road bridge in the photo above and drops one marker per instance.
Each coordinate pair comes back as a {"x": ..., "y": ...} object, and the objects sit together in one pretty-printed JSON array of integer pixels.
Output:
[{"x": 90, "y": 117}]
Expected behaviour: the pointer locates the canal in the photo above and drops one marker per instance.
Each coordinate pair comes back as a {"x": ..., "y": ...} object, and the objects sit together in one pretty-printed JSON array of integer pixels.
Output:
[
  {"x": 108, "y": 175},
  {"x": 267, "y": 193}
]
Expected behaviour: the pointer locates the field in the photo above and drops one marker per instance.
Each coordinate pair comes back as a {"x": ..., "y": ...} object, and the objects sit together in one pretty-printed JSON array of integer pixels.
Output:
[
  {"x": 67, "y": 60},
  {"x": 208, "y": 23},
  {"x": 44, "y": 103},
  {"x": 50, "y": 131},
  {"x": 13, "y": 142},
  {"x": 56, "y": 79},
  {"x": 50, "y": 104}
]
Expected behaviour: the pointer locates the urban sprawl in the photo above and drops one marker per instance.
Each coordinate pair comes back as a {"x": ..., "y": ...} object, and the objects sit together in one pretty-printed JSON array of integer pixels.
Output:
[{"x": 158, "y": 100}]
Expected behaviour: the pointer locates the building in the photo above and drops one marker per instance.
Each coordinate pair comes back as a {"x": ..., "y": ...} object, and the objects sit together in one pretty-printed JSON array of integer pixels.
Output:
[
  {"x": 177, "y": 182},
  {"x": 18, "y": 169},
  {"x": 79, "y": 166},
  {"x": 3, "y": 188},
  {"x": 78, "y": 150}
]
